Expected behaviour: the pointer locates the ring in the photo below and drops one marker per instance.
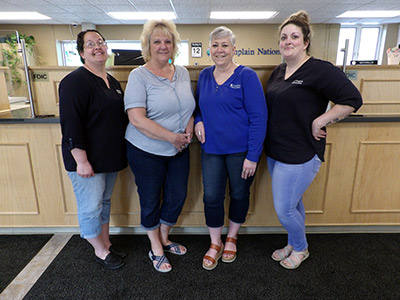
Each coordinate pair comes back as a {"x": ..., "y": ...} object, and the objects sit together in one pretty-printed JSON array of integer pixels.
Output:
[
  {"x": 199, "y": 132},
  {"x": 243, "y": 171}
]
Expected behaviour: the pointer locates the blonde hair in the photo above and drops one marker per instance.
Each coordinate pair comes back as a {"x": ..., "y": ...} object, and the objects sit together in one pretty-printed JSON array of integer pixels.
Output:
[
  {"x": 221, "y": 32},
  {"x": 302, "y": 20},
  {"x": 165, "y": 27}
]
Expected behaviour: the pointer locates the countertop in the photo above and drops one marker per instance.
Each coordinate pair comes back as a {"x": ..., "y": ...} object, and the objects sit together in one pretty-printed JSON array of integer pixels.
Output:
[{"x": 56, "y": 120}]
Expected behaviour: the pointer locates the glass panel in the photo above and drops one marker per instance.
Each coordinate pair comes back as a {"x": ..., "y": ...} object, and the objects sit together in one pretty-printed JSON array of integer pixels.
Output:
[
  {"x": 71, "y": 56},
  {"x": 368, "y": 43},
  {"x": 14, "y": 96},
  {"x": 350, "y": 34}
]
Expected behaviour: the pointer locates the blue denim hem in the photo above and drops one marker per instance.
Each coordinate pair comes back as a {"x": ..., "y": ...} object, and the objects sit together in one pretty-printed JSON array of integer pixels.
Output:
[
  {"x": 150, "y": 228},
  {"x": 167, "y": 223},
  {"x": 90, "y": 236}
]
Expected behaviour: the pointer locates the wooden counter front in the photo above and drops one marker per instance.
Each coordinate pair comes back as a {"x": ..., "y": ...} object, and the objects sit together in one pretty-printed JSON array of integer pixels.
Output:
[{"x": 357, "y": 185}]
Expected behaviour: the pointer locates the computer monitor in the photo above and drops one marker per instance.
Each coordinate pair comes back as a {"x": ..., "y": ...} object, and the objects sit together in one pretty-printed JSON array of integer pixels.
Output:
[{"x": 128, "y": 57}]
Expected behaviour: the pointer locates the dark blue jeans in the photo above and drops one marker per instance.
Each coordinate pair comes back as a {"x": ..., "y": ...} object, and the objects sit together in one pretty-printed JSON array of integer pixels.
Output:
[
  {"x": 155, "y": 176},
  {"x": 216, "y": 170}
]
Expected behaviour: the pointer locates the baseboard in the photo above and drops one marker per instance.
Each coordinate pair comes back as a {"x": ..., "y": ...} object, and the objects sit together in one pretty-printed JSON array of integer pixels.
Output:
[{"x": 204, "y": 230}]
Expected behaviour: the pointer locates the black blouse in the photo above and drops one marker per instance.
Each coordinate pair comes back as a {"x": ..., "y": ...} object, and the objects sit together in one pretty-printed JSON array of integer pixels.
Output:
[
  {"x": 293, "y": 104},
  {"x": 92, "y": 118}
]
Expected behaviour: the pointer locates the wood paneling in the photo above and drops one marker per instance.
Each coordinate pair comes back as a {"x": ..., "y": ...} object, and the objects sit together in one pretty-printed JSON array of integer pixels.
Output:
[
  {"x": 18, "y": 180},
  {"x": 356, "y": 185},
  {"x": 380, "y": 89},
  {"x": 4, "y": 102}
]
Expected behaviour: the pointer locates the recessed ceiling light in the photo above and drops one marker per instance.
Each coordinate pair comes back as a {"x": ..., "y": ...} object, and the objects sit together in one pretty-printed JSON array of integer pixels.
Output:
[
  {"x": 22, "y": 15},
  {"x": 242, "y": 15},
  {"x": 142, "y": 15},
  {"x": 370, "y": 14}
]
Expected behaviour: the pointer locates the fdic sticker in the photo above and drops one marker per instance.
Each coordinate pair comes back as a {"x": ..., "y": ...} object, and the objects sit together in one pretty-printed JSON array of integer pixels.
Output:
[{"x": 43, "y": 76}]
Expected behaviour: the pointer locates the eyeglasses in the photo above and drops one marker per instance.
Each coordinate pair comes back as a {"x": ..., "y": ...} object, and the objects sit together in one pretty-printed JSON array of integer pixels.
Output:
[{"x": 91, "y": 45}]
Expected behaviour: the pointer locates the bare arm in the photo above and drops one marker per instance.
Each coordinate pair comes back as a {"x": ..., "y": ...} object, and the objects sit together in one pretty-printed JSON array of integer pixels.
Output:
[
  {"x": 200, "y": 132},
  {"x": 335, "y": 114},
  {"x": 137, "y": 117},
  {"x": 83, "y": 166}
]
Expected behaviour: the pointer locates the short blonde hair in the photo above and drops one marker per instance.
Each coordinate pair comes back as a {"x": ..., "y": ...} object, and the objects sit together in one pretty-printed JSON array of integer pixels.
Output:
[{"x": 165, "y": 27}]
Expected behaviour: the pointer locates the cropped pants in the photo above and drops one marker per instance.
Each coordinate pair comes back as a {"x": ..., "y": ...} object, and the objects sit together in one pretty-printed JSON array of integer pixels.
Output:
[{"x": 162, "y": 185}]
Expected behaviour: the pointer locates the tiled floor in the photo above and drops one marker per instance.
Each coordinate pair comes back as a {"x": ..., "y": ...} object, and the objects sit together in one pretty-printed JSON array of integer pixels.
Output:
[{"x": 21, "y": 285}]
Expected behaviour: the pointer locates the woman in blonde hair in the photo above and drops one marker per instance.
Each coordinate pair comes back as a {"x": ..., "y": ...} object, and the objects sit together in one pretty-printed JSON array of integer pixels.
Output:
[
  {"x": 159, "y": 103},
  {"x": 298, "y": 92}
]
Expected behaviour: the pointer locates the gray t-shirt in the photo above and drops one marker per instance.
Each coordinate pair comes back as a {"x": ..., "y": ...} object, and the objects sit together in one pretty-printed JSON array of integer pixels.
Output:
[{"x": 168, "y": 103}]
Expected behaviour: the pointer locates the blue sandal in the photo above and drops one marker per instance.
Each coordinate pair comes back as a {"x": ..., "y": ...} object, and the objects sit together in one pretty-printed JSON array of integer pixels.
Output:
[
  {"x": 174, "y": 249},
  {"x": 160, "y": 260}
]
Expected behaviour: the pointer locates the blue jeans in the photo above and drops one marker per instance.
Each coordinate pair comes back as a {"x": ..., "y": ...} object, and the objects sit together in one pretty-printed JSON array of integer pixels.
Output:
[
  {"x": 157, "y": 175},
  {"x": 216, "y": 169},
  {"x": 93, "y": 197},
  {"x": 289, "y": 182}
]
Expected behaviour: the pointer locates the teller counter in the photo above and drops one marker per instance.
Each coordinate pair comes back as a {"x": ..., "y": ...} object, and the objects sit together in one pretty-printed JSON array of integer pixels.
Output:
[{"x": 356, "y": 185}]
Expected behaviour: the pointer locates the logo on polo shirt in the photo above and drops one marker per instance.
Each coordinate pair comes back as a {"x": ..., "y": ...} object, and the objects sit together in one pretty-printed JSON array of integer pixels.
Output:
[
  {"x": 297, "y": 82},
  {"x": 235, "y": 86}
]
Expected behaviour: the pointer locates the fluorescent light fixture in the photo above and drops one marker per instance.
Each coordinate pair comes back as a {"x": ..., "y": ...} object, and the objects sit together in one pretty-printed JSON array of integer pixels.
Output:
[
  {"x": 243, "y": 15},
  {"x": 370, "y": 23},
  {"x": 370, "y": 14},
  {"x": 22, "y": 15},
  {"x": 142, "y": 15}
]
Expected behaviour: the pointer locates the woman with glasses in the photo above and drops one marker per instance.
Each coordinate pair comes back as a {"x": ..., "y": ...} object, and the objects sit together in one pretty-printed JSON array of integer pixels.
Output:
[
  {"x": 93, "y": 125},
  {"x": 159, "y": 103}
]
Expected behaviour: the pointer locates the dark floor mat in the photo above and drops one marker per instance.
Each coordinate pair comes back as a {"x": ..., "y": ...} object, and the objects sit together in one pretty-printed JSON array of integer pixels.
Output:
[
  {"x": 16, "y": 251},
  {"x": 340, "y": 266}
]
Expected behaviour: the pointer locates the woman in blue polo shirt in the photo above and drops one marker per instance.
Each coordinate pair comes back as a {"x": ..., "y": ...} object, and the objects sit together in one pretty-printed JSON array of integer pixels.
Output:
[{"x": 230, "y": 125}]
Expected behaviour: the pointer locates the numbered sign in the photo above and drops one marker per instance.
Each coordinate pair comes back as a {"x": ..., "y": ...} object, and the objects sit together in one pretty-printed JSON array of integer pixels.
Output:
[{"x": 196, "y": 49}]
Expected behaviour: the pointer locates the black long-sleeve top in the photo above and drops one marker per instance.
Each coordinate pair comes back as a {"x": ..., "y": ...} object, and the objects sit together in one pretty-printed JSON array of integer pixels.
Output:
[
  {"x": 293, "y": 104},
  {"x": 92, "y": 118}
]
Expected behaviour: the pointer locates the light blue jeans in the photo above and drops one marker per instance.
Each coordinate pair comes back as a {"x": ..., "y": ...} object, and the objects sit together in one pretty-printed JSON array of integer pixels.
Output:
[
  {"x": 289, "y": 182},
  {"x": 93, "y": 197}
]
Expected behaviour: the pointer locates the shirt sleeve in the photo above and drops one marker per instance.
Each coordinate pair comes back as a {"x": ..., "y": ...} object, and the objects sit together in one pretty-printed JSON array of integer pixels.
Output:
[
  {"x": 74, "y": 98},
  {"x": 135, "y": 91},
  {"x": 336, "y": 87},
  {"x": 197, "y": 112},
  {"x": 256, "y": 108}
]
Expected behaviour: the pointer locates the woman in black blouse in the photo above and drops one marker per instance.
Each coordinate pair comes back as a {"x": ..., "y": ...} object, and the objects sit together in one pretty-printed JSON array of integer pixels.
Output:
[
  {"x": 93, "y": 125},
  {"x": 297, "y": 94}
]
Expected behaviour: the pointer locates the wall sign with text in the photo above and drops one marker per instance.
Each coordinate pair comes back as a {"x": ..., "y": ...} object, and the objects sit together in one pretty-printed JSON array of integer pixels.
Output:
[{"x": 196, "y": 49}]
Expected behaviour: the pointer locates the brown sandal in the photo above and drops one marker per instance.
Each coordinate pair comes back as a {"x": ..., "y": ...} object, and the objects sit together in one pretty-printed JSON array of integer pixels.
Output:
[
  {"x": 214, "y": 262},
  {"x": 230, "y": 252}
]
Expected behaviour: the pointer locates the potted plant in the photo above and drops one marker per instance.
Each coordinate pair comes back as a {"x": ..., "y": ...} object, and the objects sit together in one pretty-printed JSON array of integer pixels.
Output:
[{"x": 11, "y": 57}]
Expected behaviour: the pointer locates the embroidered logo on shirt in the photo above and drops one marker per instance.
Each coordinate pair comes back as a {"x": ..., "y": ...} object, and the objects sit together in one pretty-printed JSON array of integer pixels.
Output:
[
  {"x": 119, "y": 92},
  {"x": 235, "y": 86},
  {"x": 297, "y": 82}
]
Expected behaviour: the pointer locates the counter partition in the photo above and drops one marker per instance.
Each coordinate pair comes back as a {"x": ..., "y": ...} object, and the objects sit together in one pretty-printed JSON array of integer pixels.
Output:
[{"x": 357, "y": 184}]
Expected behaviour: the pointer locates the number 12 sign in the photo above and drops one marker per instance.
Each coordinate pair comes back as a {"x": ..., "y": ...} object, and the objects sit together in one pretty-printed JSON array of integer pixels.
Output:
[{"x": 196, "y": 49}]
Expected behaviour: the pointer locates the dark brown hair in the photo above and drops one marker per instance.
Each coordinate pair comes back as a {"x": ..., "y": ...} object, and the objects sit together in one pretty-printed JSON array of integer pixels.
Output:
[
  {"x": 302, "y": 20},
  {"x": 80, "y": 41}
]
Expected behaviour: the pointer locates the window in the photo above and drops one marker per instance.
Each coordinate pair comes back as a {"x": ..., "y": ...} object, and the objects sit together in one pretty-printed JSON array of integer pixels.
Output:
[
  {"x": 364, "y": 43},
  {"x": 68, "y": 55}
]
